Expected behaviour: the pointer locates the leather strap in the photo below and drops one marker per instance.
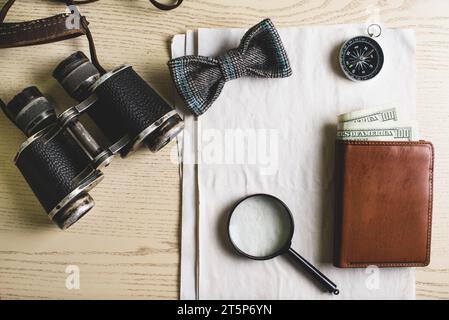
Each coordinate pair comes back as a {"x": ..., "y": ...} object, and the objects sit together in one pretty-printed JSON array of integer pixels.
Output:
[
  {"x": 56, "y": 28},
  {"x": 40, "y": 31},
  {"x": 156, "y": 3},
  {"x": 9, "y": 3},
  {"x": 52, "y": 29}
]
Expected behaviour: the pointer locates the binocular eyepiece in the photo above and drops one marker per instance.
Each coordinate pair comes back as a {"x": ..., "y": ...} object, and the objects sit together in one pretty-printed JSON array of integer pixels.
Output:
[
  {"x": 61, "y": 160},
  {"x": 30, "y": 111}
]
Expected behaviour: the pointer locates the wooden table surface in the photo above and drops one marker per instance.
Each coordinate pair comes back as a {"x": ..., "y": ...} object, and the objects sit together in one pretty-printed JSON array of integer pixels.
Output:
[{"x": 128, "y": 245}]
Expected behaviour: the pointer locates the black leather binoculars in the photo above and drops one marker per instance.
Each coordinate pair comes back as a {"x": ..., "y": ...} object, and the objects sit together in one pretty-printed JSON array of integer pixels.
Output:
[{"x": 61, "y": 160}]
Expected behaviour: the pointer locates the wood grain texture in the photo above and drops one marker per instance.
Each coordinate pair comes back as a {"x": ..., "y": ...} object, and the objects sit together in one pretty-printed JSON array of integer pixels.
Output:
[{"x": 128, "y": 246}]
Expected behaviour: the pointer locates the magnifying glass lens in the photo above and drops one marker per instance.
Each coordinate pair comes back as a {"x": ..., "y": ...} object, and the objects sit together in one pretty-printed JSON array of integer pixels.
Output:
[{"x": 260, "y": 227}]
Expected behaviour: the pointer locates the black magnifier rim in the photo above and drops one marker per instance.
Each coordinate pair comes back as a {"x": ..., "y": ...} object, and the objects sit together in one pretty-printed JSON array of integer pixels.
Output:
[{"x": 277, "y": 253}]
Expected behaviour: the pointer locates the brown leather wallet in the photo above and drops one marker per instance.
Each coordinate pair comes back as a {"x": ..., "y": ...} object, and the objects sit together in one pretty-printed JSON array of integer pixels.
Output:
[{"x": 383, "y": 203}]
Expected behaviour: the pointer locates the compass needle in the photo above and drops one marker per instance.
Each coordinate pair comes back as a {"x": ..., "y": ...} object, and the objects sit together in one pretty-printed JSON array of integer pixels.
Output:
[{"x": 369, "y": 53}]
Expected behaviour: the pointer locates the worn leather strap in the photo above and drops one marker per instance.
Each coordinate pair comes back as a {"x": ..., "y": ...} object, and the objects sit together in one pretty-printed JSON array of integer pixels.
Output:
[
  {"x": 9, "y": 3},
  {"x": 46, "y": 30},
  {"x": 56, "y": 28},
  {"x": 39, "y": 31},
  {"x": 52, "y": 29}
]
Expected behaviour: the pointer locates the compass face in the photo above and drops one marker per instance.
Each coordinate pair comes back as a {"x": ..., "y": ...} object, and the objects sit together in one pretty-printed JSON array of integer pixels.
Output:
[{"x": 361, "y": 58}]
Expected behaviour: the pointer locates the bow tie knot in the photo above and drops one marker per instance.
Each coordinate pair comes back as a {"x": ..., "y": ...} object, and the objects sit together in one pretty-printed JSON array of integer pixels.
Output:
[
  {"x": 232, "y": 65},
  {"x": 199, "y": 80}
]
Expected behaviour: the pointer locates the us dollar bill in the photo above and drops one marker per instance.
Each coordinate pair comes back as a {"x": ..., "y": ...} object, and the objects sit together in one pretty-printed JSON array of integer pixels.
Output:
[
  {"x": 378, "y": 131},
  {"x": 370, "y": 115}
]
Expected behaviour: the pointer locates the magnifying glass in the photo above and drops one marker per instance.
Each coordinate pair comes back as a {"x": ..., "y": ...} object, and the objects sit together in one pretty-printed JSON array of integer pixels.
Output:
[{"x": 260, "y": 227}]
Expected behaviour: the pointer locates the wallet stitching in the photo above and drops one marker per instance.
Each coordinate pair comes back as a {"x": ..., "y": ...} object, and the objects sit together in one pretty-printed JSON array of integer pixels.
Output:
[{"x": 429, "y": 209}]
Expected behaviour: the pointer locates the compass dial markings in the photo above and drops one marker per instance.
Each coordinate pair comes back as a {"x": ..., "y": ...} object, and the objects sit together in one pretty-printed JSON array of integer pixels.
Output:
[{"x": 361, "y": 58}]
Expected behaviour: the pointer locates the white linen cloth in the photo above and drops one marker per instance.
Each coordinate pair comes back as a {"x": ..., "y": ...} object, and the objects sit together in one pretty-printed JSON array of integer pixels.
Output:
[{"x": 286, "y": 148}]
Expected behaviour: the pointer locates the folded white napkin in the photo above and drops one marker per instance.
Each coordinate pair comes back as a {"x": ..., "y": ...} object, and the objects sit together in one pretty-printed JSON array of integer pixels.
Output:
[{"x": 286, "y": 129}]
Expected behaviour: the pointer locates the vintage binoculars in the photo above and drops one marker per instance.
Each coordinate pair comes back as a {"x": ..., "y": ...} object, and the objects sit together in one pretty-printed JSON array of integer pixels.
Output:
[{"x": 61, "y": 160}]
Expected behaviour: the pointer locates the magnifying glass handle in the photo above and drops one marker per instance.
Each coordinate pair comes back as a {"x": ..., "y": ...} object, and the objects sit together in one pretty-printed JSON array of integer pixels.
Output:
[{"x": 325, "y": 281}]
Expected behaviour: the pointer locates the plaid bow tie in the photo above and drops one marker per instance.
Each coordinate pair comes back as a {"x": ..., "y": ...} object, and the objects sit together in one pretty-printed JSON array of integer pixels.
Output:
[{"x": 199, "y": 80}]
